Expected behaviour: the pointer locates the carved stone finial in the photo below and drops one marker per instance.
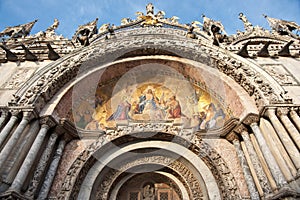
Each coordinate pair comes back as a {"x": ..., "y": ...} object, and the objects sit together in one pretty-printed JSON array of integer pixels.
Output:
[
  {"x": 150, "y": 19},
  {"x": 50, "y": 30},
  {"x": 18, "y": 31},
  {"x": 247, "y": 25},
  {"x": 283, "y": 27},
  {"x": 85, "y": 32}
]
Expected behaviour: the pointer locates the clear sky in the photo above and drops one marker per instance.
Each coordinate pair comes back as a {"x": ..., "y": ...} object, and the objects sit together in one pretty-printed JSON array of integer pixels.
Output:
[{"x": 72, "y": 13}]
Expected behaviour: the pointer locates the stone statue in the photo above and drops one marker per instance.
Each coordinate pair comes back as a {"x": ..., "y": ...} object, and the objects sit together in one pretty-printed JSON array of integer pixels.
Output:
[
  {"x": 150, "y": 9},
  {"x": 148, "y": 192},
  {"x": 214, "y": 29},
  {"x": 22, "y": 30},
  {"x": 85, "y": 32},
  {"x": 247, "y": 25}
]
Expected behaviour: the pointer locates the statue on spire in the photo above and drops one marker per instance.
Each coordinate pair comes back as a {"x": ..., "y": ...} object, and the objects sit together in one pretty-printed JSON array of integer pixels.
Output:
[{"x": 247, "y": 25}]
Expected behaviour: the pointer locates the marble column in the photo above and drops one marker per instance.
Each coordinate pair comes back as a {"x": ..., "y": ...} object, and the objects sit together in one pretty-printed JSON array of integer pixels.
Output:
[
  {"x": 52, "y": 170},
  {"x": 263, "y": 163},
  {"x": 249, "y": 180},
  {"x": 292, "y": 130},
  {"x": 251, "y": 167},
  {"x": 4, "y": 114},
  {"x": 257, "y": 165},
  {"x": 271, "y": 162},
  {"x": 15, "y": 136},
  {"x": 295, "y": 117},
  {"x": 40, "y": 170},
  {"x": 278, "y": 151},
  {"x": 18, "y": 155},
  {"x": 8, "y": 127},
  {"x": 284, "y": 137},
  {"x": 19, "y": 180}
]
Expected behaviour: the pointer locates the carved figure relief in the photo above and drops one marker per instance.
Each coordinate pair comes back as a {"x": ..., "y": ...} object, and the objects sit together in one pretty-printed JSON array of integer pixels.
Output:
[
  {"x": 280, "y": 74},
  {"x": 18, "y": 78}
]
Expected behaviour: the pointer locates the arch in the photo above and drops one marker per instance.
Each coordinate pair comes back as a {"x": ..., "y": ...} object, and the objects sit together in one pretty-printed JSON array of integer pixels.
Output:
[
  {"x": 170, "y": 176},
  {"x": 46, "y": 83},
  {"x": 192, "y": 148}
]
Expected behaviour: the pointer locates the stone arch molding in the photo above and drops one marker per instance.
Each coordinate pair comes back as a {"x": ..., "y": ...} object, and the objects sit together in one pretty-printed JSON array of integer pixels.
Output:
[
  {"x": 38, "y": 90},
  {"x": 215, "y": 173}
]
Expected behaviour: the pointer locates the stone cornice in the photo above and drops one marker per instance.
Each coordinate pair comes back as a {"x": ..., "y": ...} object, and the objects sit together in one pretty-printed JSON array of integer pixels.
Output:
[{"x": 277, "y": 106}]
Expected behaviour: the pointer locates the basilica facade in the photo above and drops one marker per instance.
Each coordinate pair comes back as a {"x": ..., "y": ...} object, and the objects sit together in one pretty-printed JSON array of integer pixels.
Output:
[{"x": 151, "y": 109}]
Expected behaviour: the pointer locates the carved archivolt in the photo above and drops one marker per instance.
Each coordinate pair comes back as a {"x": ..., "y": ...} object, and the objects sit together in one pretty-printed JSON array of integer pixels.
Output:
[
  {"x": 224, "y": 177},
  {"x": 190, "y": 181},
  {"x": 42, "y": 87}
]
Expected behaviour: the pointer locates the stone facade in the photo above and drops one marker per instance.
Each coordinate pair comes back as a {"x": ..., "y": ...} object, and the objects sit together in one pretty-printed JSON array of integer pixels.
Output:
[{"x": 150, "y": 109}]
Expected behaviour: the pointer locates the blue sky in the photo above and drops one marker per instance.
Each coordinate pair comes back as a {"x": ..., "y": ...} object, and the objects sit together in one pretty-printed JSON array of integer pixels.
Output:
[{"x": 72, "y": 13}]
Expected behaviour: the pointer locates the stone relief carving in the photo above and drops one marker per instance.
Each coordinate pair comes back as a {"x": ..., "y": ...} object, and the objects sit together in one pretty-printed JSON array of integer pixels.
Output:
[
  {"x": 18, "y": 78},
  {"x": 280, "y": 74}
]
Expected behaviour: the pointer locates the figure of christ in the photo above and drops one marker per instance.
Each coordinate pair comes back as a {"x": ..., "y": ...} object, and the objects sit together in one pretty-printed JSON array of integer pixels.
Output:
[{"x": 149, "y": 105}]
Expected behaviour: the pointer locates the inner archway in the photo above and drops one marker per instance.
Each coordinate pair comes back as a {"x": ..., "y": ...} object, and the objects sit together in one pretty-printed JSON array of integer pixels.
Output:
[{"x": 154, "y": 185}]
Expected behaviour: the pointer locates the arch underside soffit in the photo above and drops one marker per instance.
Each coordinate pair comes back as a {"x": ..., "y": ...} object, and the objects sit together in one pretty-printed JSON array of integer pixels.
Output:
[
  {"x": 200, "y": 172},
  {"x": 48, "y": 81}
]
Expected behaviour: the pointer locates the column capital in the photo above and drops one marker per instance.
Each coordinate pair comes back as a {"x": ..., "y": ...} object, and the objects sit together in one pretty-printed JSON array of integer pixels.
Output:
[
  {"x": 48, "y": 121},
  {"x": 251, "y": 118},
  {"x": 294, "y": 111},
  {"x": 15, "y": 112},
  {"x": 232, "y": 137},
  {"x": 4, "y": 111},
  {"x": 68, "y": 130},
  {"x": 28, "y": 115},
  {"x": 240, "y": 129},
  {"x": 282, "y": 111}
]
